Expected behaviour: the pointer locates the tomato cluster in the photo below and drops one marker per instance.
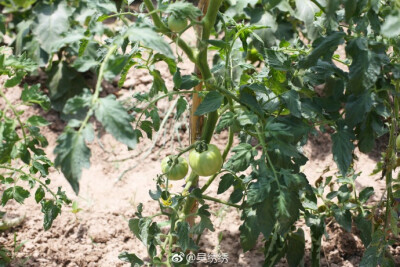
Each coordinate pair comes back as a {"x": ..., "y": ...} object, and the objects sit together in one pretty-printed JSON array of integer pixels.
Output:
[{"x": 203, "y": 163}]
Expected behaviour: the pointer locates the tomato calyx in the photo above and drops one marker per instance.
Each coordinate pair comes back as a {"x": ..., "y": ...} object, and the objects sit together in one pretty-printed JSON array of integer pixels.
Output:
[{"x": 201, "y": 147}]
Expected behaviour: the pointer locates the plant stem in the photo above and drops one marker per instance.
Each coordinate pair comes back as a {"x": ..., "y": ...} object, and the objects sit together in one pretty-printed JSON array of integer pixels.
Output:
[
  {"x": 164, "y": 29},
  {"x": 32, "y": 177},
  {"x": 220, "y": 201},
  {"x": 96, "y": 93},
  {"x": 319, "y": 5},
  {"x": 261, "y": 138},
  {"x": 161, "y": 97},
  {"x": 15, "y": 112}
]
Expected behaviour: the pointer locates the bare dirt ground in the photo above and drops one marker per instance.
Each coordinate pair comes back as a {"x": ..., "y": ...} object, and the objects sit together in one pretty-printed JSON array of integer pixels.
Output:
[{"x": 99, "y": 232}]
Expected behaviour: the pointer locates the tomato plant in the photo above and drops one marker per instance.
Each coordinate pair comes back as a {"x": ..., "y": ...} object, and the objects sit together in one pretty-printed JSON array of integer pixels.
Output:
[
  {"x": 22, "y": 159},
  {"x": 268, "y": 74}
]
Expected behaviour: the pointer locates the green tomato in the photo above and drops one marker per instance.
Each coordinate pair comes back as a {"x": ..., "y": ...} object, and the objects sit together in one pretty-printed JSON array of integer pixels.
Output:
[
  {"x": 176, "y": 24},
  {"x": 174, "y": 172},
  {"x": 207, "y": 162},
  {"x": 398, "y": 142}
]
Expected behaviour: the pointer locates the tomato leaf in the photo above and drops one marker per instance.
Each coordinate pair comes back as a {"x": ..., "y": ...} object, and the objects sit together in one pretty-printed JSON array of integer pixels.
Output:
[
  {"x": 72, "y": 156},
  {"x": 240, "y": 161},
  {"x": 249, "y": 230},
  {"x": 183, "y": 235},
  {"x": 342, "y": 150},
  {"x": 210, "y": 103},
  {"x": 116, "y": 120},
  {"x": 51, "y": 211},
  {"x": 17, "y": 193},
  {"x": 226, "y": 182},
  {"x": 131, "y": 258},
  {"x": 149, "y": 38},
  {"x": 180, "y": 107},
  {"x": 51, "y": 22},
  {"x": 296, "y": 248}
]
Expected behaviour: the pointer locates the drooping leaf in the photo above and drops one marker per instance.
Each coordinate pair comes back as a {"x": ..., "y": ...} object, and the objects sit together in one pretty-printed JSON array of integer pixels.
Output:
[
  {"x": 322, "y": 47},
  {"x": 151, "y": 39},
  {"x": 33, "y": 95},
  {"x": 51, "y": 21},
  {"x": 180, "y": 107},
  {"x": 244, "y": 154},
  {"x": 51, "y": 211},
  {"x": 227, "y": 181},
  {"x": 116, "y": 120},
  {"x": 296, "y": 248},
  {"x": 72, "y": 156},
  {"x": 342, "y": 150},
  {"x": 17, "y": 193},
  {"x": 249, "y": 230},
  {"x": 183, "y": 235},
  {"x": 210, "y": 103},
  {"x": 131, "y": 258}
]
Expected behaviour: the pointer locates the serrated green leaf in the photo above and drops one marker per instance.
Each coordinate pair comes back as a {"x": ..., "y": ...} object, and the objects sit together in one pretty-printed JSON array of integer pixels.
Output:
[
  {"x": 342, "y": 150},
  {"x": 51, "y": 22},
  {"x": 249, "y": 230},
  {"x": 292, "y": 100},
  {"x": 343, "y": 217},
  {"x": 183, "y": 235},
  {"x": 365, "y": 227},
  {"x": 37, "y": 121},
  {"x": 72, "y": 156},
  {"x": 116, "y": 120},
  {"x": 357, "y": 107},
  {"x": 236, "y": 195},
  {"x": 322, "y": 47},
  {"x": 64, "y": 82},
  {"x": 180, "y": 107},
  {"x": 51, "y": 211},
  {"x": 240, "y": 161},
  {"x": 227, "y": 181},
  {"x": 33, "y": 95},
  {"x": 247, "y": 118},
  {"x": 39, "y": 194},
  {"x": 225, "y": 120},
  {"x": 131, "y": 258},
  {"x": 155, "y": 119},
  {"x": 365, "y": 194},
  {"x": 17, "y": 193},
  {"x": 210, "y": 103},
  {"x": 158, "y": 84},
  {"x": 296, "y": 248},
  {"x": 266, "y": 216},
  {"x": 151, "y": 39},
  {"x": 146, "y": 126},
  {"x": 184, "y": 9}
]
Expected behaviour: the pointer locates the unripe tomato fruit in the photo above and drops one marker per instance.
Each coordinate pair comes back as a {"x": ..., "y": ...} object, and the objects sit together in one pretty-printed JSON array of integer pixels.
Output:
[
  {"x": 176, "y": 24},
  {"x": 174, "y": 172},
  {"x": 398, "y": 142},
  {"x": 207, "y": 162}
]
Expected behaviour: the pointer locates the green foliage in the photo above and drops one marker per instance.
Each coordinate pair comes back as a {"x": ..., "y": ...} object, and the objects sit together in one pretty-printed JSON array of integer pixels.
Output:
[
  {"x": 276, "y": 78},
  {"x": 22, "y": 159}
]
